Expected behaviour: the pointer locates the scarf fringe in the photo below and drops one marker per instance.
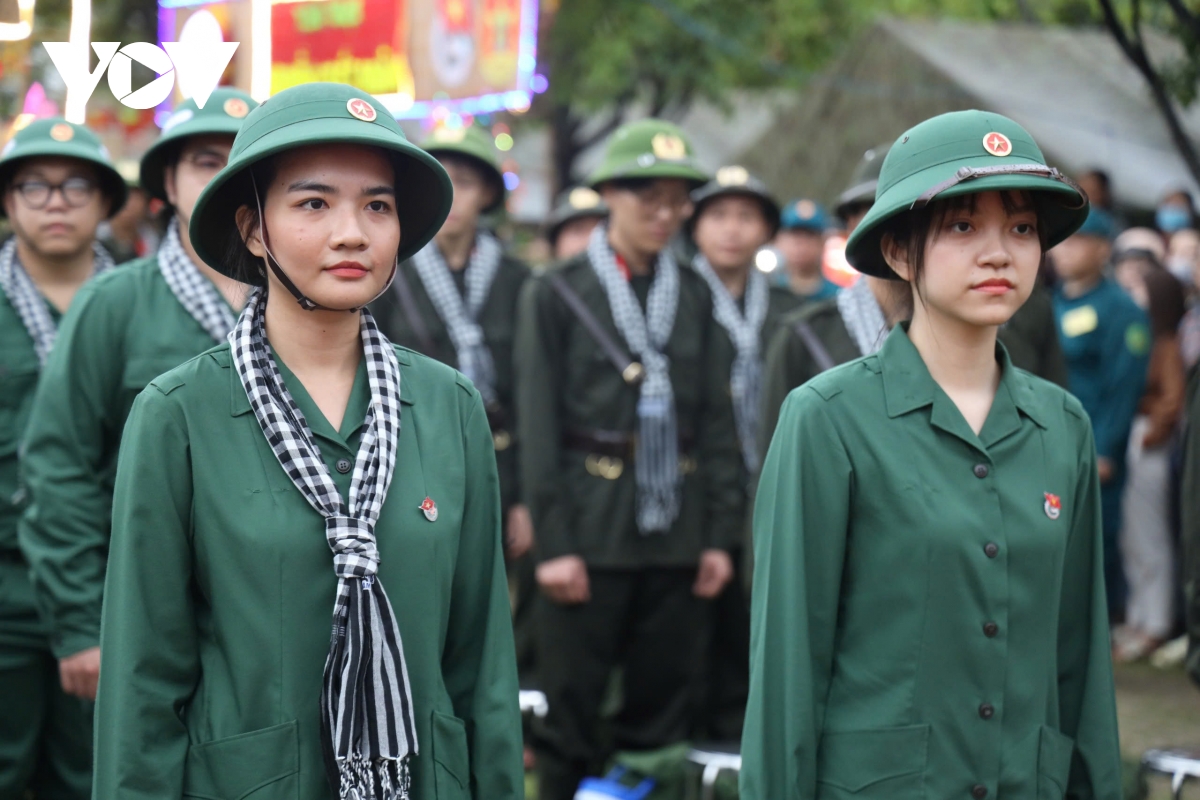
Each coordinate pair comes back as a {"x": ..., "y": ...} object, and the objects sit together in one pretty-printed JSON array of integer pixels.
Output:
[{"x": 385, "y": 779}]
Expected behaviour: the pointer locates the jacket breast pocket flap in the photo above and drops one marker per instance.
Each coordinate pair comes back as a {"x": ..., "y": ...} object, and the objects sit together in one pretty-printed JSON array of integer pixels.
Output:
[
  {"x": 451, "y": 762},
  {"x": 858, "y": 760},
  {"x": 249, "y": 765},
  {"x": 1054, "y": 762}
]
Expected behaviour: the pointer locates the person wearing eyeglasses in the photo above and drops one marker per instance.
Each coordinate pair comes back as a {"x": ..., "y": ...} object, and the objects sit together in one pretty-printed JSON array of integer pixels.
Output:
[
  {"x": 631, "y": 468},
  {"x": 928, "y": 615},
  {"x": 123, "y": 330},
  {"x": 58, "y": 184}
]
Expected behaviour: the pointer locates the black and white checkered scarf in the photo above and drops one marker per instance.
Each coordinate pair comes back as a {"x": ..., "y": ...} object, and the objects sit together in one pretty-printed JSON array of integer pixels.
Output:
[
  {"x": 745, "y": 330},
  {"x": 367, "y": 723},
  {"x": 474, "y": 358},
  {"x": 658, "y": 478},
  {"x": 194, "y": 291},
  {"x": 29, "y": 303},
  {"x": 862, "y": 316}
]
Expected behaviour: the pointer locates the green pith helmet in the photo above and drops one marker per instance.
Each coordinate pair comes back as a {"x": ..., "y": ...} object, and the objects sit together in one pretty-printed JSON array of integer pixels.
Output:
[
  {"x": 320, "y": 114},
  {"x": 577, "y": 203},
  {"x": 648, "y": 148},
  {"x": 473, "y": 143},
  {"x": 963, "y": 152},
  {"x": 736, "y": 181},
  {"x": 54, "y": 136},
  {"x": 863, "y": 181},
  {"x": 222, "y": 113}
]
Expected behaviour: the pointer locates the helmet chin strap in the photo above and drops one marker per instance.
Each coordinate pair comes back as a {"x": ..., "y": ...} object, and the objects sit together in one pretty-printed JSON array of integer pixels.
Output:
[{"x": 273, "y": 264}]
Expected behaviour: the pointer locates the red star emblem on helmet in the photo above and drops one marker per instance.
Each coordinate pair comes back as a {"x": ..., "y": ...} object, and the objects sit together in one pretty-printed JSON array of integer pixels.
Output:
[
  {"x": 361, "y": 109},
  {"x": 997, "y": 144}
]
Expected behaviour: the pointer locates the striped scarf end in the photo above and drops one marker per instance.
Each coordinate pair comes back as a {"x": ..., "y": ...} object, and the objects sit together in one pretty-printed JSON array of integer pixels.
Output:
[{"x": 385, "y": 779}]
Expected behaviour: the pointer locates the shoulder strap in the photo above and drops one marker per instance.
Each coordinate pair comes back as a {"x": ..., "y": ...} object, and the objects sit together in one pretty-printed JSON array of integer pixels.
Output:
[
  {"x": 408, "y": 303},
  {"x": 813, "y": 342},
  {"x": 631, "y": 371}
]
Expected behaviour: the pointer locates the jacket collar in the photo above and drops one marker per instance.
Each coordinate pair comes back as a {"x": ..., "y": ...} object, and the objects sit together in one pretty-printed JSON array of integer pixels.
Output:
[
  {"x": 240, "y": 404},
  {"x": 908, "y": 386}
]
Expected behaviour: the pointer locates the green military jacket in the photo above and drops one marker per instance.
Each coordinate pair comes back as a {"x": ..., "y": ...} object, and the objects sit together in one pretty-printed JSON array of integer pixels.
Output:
[
  {"x": 929, "y": 617},
  {"x": 1031, "y": 338},
  {"x": 566, "y": 384},
  {"x": 123, "y": 329},
  {"x": 498, "y": 320},
  {"x": 22, "y": 630},
  {"x": 221, "y": 587}
]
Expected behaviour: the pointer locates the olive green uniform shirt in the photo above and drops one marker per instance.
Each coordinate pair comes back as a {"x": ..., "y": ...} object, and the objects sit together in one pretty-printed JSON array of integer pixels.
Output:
[
  {"x": 498, "y": 321},
  {"x": 221, "y": 589},
  {"x": 22, "y": 631},
  {"x": 928, "y": 615},
  {"x": 1031, "y": 338},
  {"x": 123, "y": 329},
  {"x": 565, "y": 383}
]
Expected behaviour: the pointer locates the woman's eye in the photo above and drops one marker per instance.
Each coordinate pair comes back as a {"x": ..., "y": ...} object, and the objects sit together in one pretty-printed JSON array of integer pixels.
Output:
[
  {"x": 962, "y": 226},
  {"x": 378, "y": 205},
  {"x": 313, "y": 204},
  {"x": 1025, "y": 229}
]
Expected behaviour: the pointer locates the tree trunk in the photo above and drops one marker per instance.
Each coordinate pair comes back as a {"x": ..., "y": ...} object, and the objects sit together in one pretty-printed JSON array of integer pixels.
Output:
[{"x": 1134, "y": 49}]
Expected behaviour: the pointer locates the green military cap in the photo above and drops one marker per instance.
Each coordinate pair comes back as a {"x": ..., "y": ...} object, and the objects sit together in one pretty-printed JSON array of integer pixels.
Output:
[
  {"x": 735, "y": 180},
  {"x": 963, "y": 152},
  {"x": 473, "y": 143},
  {"x": 222, "y": 113},
  {"x": 580, "y": 202},
  {"x": 863, "y": 181},
  {"x": 648, "y": 148},
  {"x": 314, "y": 114},
  {"x": 54, "y": 136}
]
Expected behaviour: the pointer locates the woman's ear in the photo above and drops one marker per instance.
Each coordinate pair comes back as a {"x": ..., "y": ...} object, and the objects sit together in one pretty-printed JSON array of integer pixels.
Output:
[
  {"x": 896, "y": 256},
  {"x": 248, "y": 226}
]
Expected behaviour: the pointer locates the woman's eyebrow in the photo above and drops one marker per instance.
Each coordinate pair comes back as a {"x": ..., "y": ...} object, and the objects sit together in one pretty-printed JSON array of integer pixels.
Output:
[
  {"x": 374, "y": 190},
  {"x": 312, "y": 186}
]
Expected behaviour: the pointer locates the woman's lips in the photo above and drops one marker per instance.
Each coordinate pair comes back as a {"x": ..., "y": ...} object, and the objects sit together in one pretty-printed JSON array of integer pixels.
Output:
[{"x": 348, "y": 269}]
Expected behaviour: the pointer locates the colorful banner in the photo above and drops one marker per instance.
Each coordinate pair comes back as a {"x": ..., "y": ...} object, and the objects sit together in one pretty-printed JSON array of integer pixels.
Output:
[{"x": 360, "y": 42}]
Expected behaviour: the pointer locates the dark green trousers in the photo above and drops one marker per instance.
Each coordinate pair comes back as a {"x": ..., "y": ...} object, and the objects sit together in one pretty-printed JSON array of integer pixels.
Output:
[
  {"x": 45, "y": 734},
  {"x": 646, "y": 623}
]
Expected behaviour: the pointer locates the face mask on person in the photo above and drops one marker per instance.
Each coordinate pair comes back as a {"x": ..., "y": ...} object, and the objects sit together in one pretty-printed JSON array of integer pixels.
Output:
[{"x": 1172, "y": 218}]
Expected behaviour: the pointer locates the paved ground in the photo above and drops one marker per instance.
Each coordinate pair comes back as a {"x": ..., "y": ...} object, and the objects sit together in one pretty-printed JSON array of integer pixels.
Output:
[{"x": 1157, "y": 708}]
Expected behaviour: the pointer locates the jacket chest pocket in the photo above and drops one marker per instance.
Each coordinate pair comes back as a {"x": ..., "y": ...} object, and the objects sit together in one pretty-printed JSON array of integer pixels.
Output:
[{"x": 260, "y": 765}]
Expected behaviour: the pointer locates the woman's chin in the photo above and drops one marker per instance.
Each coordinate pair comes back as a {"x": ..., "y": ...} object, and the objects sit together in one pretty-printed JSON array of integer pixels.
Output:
[{"x": 340, "y": 293}]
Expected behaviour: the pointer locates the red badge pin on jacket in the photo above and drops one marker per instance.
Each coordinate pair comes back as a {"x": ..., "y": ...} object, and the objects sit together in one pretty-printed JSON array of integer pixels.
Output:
[
  {"x": 430, "y": 509},
  {"x": 1053, "y": 506}
]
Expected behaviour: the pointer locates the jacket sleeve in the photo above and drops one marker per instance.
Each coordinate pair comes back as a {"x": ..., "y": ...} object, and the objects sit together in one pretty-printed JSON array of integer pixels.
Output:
[
  {"x": 1087, "y": 709},
  {"x": 800, "y": 525},
  {"x": 150, "y": 661},
  {"x": 720, "y": 458},
  {"x": 1127, "y": 342},
  {"x": 64, "y": 530},
  {"x": 538, "y": 376},
  {"x": 479, "y": 664}
]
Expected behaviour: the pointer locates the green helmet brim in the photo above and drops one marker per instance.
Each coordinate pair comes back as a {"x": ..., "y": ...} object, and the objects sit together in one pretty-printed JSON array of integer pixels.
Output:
[
  {"x": 423, "y": 190},
  {"x": 1061, "y": 216}
]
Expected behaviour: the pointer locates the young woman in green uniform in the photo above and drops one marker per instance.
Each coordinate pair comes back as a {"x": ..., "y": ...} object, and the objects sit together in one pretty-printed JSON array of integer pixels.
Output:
[
  {"x": 303, "y": 467},
  {"x": 124, "y": 329},
  {"x": 928, "y": 613}
]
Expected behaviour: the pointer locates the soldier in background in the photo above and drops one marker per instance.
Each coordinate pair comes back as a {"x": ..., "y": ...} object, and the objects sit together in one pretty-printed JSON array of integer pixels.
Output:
[
  {"x": 576, "y": 213},
  {"x": 629, "y": 464}
]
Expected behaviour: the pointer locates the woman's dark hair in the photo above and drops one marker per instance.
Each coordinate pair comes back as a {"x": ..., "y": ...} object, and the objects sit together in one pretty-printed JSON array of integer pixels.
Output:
[
  {"x": 911, "y": 230},
  {"x": 243, "y": 265}
]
